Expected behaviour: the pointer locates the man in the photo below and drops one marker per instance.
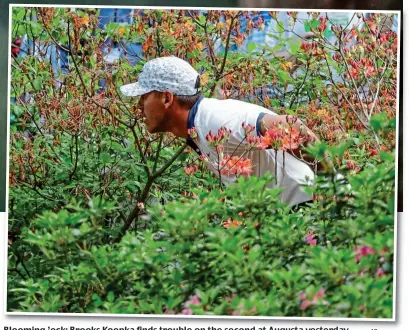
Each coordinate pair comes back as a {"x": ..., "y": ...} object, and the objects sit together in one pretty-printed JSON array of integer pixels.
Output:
[{"x": 171, "y": 102}]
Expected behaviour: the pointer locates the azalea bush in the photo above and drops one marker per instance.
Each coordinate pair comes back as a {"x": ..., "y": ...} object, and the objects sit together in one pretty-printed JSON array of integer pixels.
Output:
[
  {"x": 235, "y": 252},
  {"x": 106, "y": 217}
]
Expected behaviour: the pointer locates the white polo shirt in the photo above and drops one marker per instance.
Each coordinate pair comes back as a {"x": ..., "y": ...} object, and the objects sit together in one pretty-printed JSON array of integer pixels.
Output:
[{"x": 211, "y": 114}]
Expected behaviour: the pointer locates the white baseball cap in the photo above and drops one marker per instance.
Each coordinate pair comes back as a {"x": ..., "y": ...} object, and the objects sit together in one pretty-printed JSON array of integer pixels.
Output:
[{"x": 161, "y": 74}]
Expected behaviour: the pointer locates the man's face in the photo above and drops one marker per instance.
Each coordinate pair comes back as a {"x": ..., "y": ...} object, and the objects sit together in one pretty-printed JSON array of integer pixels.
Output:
[{"x": 154, "y": 111}]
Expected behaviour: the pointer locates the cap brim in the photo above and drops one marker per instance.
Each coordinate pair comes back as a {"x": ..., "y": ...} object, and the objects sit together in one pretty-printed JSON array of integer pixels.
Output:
[{"x": 133, "y": 89}]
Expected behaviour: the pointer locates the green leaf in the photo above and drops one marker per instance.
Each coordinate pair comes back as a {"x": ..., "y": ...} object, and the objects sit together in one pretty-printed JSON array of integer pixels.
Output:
[
  {"x": 379, "y": 121},
  {"x": 284, "y": 75},
  {"x": 61, "y": 176},
  {"x": 312, "y": 23},
  {"x": 275, "y": 102},
  {"x": 16, "y": 109},
  {"x": 280, "y": 27},
  {"x": 251, "y": 47},
  {"x": 37, "y": 83},
  {"x": 202, "y": 19},
  {"x": 295, "y": 47},
  {"x": 20, "y": 14},
  {"x": 105, "y": 157},
  {"x": 110, "y": 296}
]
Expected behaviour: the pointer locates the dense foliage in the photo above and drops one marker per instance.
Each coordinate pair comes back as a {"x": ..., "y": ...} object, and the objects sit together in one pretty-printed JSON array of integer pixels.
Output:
[{"x": 105, "y": 217}]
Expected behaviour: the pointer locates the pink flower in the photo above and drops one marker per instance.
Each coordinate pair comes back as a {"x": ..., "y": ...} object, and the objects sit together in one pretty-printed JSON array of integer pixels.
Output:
[
  {"x": 321, "y": 27},
  {"x": 305, "y": 304},
  {"x": 281, "y": 138},
  {"x": 383, "y": 39},
  {"x": 346, "y": 51},
  {"x": 309, "y": 239},
  {"x": 319, "y": 295},
  {"x": 190, "y": 169},
  {"x": 252, "y": 140},
  {"x": 222, "y": 136},
  {"x": 380, "y": 272},
  {"x": 362, "y": 251},
  {"x": 354, "y": 73},
  {"x": 292, "y": 14},
  {"x": 291, "y": 139},
  {"x": 253, "y": 310},
  {"x": 230, "y": 299},
  {"x": 187, "y": 311},
  {"x": 247, "y": 129},
  {"x": 369, "y": 71},
  {"x": 195, "y": 300},
  {"x": 209, "y": 137},
  {"x": 291, "y": 120},
  {"x": 372, "y": 25},
  {"x": 236, "y": 166},
  {"x": 336, "y": 29},
  {"x": 271, "y": 139},
  {"x": 241, "y": 310},
  {"x": 231, "y": 223},
  {"x": 306, "y": 46},
  {"x": 361, "y": 308},
  {"x": 260, "y": 23},
  {"x": 244, "y": 167},
  {"x": 373, "y": 152},
  {"x": 192, "y": 132},
  {"x": 219, "y": 148},
  {"x": 353, "y": 63},
  {"x": 351, "y": 164},
  {"x": 337, "y": 57},
  {"x": 189, "y": 194}
]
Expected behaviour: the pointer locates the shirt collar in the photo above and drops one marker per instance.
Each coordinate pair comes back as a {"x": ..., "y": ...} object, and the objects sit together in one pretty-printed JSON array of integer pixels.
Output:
[
  {"x": 191, "y": 124},
  {"x": 193, "y": 112}
]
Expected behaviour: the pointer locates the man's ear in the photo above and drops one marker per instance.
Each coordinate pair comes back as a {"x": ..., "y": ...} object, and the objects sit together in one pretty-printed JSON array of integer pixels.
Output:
[{"x": 167, "y": 99}]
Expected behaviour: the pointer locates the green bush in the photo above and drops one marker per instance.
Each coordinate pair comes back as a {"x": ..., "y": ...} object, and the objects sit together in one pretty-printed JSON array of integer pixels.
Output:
[
  {"x": 103, "y": 219},
  {"x": 235, "y": 252}
]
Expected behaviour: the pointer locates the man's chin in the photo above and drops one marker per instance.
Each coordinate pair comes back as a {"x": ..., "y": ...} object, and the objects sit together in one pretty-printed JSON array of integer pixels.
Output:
[
  {"x": 154, "y": 130},
  {"x": 148, "y": 127}
]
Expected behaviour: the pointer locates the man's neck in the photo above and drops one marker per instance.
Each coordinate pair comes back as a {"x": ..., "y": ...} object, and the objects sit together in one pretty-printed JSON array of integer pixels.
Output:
[{"x": 178, "y": 123}]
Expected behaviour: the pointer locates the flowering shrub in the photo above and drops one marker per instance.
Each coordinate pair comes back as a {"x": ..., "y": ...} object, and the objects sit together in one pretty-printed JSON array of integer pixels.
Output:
[
  {"x": 232, "y": 252},
  {"x": 106, "y": 217}
]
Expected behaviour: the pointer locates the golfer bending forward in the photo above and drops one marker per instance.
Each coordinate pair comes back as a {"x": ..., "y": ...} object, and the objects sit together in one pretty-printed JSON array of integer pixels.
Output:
[{"x": 171, "y": 102}]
